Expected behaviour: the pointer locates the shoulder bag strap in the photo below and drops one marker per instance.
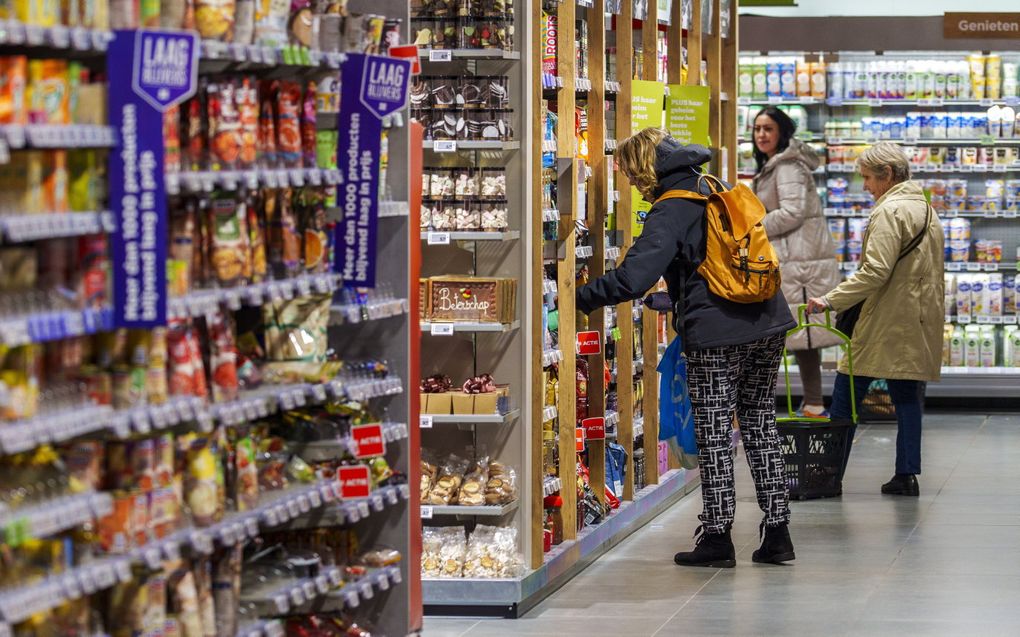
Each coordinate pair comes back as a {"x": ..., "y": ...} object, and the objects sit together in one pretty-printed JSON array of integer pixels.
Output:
[
  {"x": 681, "y": 194},
  {"x": 918, "y": 238}
]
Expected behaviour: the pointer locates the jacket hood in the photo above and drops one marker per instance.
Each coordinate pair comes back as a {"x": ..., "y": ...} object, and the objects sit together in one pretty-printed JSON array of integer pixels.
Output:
[
  {"x": 675, "y": 162},
  {"x": 906, "y": 190},
  {"x": 796, "y": 151}
]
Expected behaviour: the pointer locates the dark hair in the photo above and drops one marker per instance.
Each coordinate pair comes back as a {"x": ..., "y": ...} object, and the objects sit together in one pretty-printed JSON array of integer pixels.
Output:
[{"x": 787, "y": 128}]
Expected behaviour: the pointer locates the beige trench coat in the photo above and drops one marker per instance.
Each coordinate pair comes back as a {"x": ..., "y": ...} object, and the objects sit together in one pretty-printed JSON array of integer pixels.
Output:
[
  {"x": 799, "y": 232},
  {"x": 899, "y": 334}
]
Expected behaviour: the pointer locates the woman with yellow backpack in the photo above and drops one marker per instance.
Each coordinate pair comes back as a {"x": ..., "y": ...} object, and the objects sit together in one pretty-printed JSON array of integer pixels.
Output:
[{"x": 707, "y": 242}]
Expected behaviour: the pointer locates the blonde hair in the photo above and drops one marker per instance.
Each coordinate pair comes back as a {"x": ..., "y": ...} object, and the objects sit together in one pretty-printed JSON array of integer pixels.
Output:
[
  {"x": 885, "y": 155},
  {"x": 636, "y": 158}
]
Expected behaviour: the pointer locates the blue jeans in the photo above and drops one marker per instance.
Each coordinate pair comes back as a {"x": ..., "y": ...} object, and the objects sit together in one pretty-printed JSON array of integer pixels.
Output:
[{"x": 906, "y": 397}]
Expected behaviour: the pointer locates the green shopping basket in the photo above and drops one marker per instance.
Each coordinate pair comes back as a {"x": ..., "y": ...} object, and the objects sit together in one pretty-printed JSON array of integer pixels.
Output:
[{"x": 816, "y": 450}]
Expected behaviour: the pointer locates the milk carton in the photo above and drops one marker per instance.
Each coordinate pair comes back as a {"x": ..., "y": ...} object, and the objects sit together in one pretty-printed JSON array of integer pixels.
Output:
[
  {"x": 803, "y": 78},
  {"x": 950, "y": 293},
  {"x": 972, "y": 346},
  {"x": 1011, "y": 347},
  {"x": 988, "y": 346},
  {"x": 978, "y": 283},
  {"x": 788, "y": 78},
  {"x": 993, "y": 295},
  {"x": 1009, "y": 295},
  {"x": 957, "y": 351},
  {"x": 773, "y": 80},
  {"x": 963, "y": 295},
  {"x": 759, "y": 79},
  {"x": 835, "y": 80}
]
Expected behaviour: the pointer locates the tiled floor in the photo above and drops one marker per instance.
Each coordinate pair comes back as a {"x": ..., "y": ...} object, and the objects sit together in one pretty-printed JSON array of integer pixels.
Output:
[{"x": 947, "y": 563}]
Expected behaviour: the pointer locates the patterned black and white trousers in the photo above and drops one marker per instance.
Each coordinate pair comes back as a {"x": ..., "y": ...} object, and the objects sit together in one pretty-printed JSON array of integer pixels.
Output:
[{"x": 738, "y": 379}]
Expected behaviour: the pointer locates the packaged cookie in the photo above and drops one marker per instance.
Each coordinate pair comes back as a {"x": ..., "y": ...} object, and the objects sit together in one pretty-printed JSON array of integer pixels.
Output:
[
  {"x": 466, "y": 215},
  {"x": 492, "y": 183},
  {"x": 493, "y": 215},
  {"x": 472, "y": 491},
  {"x": 256, "y": 238},
  {"x": 421, "y": 92},
  {"x": 492, "y": 552},
  {"x": 442, "y": 216},
  {"x": 501, "y": 487},
  {"x": 194, "y": 141},
  {"x": 443, "y": 550},
  {"x": 465, "y": 183},
  {"x": 441, "y": 184},
  {"x": 308, "y": 126},
  {"x": 222, "y": 357},
  {"x": 201, "y": 485},
  {"x": 429, "y": 473},
  {"x": 312, "y": 221},
  {"x": 444, "y": 92},
  {"x": 451, "y": 476},
  {"x": 284, "y": 238},
  {"x": 271, "y": 22}
]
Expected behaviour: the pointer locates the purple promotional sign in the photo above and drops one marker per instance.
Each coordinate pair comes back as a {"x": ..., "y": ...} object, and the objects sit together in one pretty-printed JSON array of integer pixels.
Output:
[
  {"x": 372, "y": 87},
  {"x": 149, "y": 71}
]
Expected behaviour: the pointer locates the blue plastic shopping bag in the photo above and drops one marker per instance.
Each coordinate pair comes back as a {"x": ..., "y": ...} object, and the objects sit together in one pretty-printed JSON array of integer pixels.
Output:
[{"x": 676, "y": 418}]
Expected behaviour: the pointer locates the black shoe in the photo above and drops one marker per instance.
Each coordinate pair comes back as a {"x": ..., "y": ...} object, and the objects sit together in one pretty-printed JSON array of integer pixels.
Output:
[
  {"x": 776, "y": 545},
  {"x": 711, "y": 550},
  {"x": 902, "y": 484}
]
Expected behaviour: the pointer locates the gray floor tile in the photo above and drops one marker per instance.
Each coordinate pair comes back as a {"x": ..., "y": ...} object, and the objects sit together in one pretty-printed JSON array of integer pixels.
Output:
[{"x": 947, "y": 563}]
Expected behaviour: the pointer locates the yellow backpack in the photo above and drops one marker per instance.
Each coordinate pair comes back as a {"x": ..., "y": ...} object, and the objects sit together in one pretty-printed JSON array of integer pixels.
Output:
[{"x": 740, "y": 264}]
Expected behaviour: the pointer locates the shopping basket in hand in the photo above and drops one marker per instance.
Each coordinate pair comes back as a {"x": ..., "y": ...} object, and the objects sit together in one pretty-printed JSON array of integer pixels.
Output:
[{"x": 816, "y": 450}]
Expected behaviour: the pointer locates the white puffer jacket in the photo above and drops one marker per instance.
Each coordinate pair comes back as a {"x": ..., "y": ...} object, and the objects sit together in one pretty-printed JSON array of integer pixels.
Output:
[{"x": 800, "y": 234}]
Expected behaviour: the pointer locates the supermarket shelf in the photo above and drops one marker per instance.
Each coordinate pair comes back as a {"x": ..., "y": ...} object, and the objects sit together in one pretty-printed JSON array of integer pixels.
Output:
[
  {"x": 20, "y": 603},
  {"x": 389, "y": 209},
  {"x": 551, "y": 81},
  {"x": 201, "y": 302},
  {"x": 836, "y": 141},
  {"x": 935, "y": 169},
  {"x": 58, "y": 136},
  {"x": 262, "y": 628},
  {"x": 516, "y": 596},
  {"x": 612, "y": 86},
  {"x": 327, "y": 450},
  {"x": 320, "y": 594},
  {"x": 473, "y": 419},
  {"x": 53, "y": 325},
  {"x": 428, "y": 511},
  {"x": 937, "y": 102},
  {"x": 1008, "y": 319},
  {"x": 444, "y": 238},
  {"x": 551, "y": 485},
  {"x": 354, "y": 313},
  {"x": 19, "y": 228},
  {"x": 958, "y": 266},
  {"x": 24, "y": 435},
  {"x": 479, "y": 54},
  {"x": 443, "y": 329},
  {"x": 200, "y": 181},
  {"x": 213, "y": 50},
  {"x": 14, "y": 32},
  {"x": 346, "y": 512},
  {"x": 450, "y": 146},
  {"x": 974, "y": 383},
  {"x": 43, "y": 519},
  {"x": 551, "y": 356},
  {"x": 583, "y": 252}
]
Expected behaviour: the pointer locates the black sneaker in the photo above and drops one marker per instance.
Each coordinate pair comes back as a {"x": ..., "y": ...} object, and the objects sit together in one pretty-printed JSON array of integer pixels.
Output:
[
  {"x": 776, "y": 545},
  {"x": 711, "y": 550},
  {"x": 902, "y": 484}
]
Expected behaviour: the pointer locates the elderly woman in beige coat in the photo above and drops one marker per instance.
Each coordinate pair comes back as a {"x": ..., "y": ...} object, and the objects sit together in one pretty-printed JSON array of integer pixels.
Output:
[
  {"x": 898, "y": 336},
  {"x": 800, "y": 234}
]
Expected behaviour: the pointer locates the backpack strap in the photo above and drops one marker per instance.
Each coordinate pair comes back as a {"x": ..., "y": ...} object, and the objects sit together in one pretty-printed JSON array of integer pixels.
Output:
[{"x": 681, "y": 194}]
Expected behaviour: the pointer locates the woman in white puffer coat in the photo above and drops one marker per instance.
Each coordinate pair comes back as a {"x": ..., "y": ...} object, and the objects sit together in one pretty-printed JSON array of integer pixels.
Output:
[{"x": 800, "y": 234}]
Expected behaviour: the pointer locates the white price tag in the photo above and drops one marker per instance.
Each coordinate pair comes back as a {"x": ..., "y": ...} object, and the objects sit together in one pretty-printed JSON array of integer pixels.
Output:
[
  {"x": 990, "y": 267},
  {"x": 986, "y": 102},
  {"x": 442, "y": 329},
  {"x": 426, "y": 513},
  {"x": 440, "y": 56},
  {"x": 425, "y": 422},
  {"x": 999, "y": 168},
  {"x": 438, "y": 238},
  {"x": 444, "y": 146},
  {"x": 775, "y": 99},
  {"x": 1009, "y": 319},
  {"x": 973, "y": 267},
  {"x": 874, "y": 102}
]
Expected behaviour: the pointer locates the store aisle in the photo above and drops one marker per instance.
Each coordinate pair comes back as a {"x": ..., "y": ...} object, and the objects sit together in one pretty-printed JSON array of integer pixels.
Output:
[{"x": 947, "y": 563}]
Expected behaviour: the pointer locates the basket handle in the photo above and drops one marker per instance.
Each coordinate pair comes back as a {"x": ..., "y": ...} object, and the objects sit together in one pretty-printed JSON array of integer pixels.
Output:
[{"x": 803, "y": 324}]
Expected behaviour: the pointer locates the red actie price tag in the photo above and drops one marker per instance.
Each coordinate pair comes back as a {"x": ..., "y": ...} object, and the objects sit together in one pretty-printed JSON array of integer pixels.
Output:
[
  {"x": 588, "y": 343},
  {"x": 594, "y": 428},
  {"x": 579, "y": 438},
  {"x": 410, "y": 52},
  {"x": 355, "y": 482},
  {"x": 368, "y": 441}
]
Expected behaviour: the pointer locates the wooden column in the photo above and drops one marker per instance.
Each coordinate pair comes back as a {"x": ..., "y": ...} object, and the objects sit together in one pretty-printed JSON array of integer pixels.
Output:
[
  {"x": 534, "y": 238},
  {"x": 566, "y": 193},
  {"x": 625, "y": 344},
  {"x": 597, "y": 204},
  {"x": 694, "y": 51},
  {"x": 713, "y": 54},
  {"x": 649, "y": 346},
  {"x": 729, "y": 89}
]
